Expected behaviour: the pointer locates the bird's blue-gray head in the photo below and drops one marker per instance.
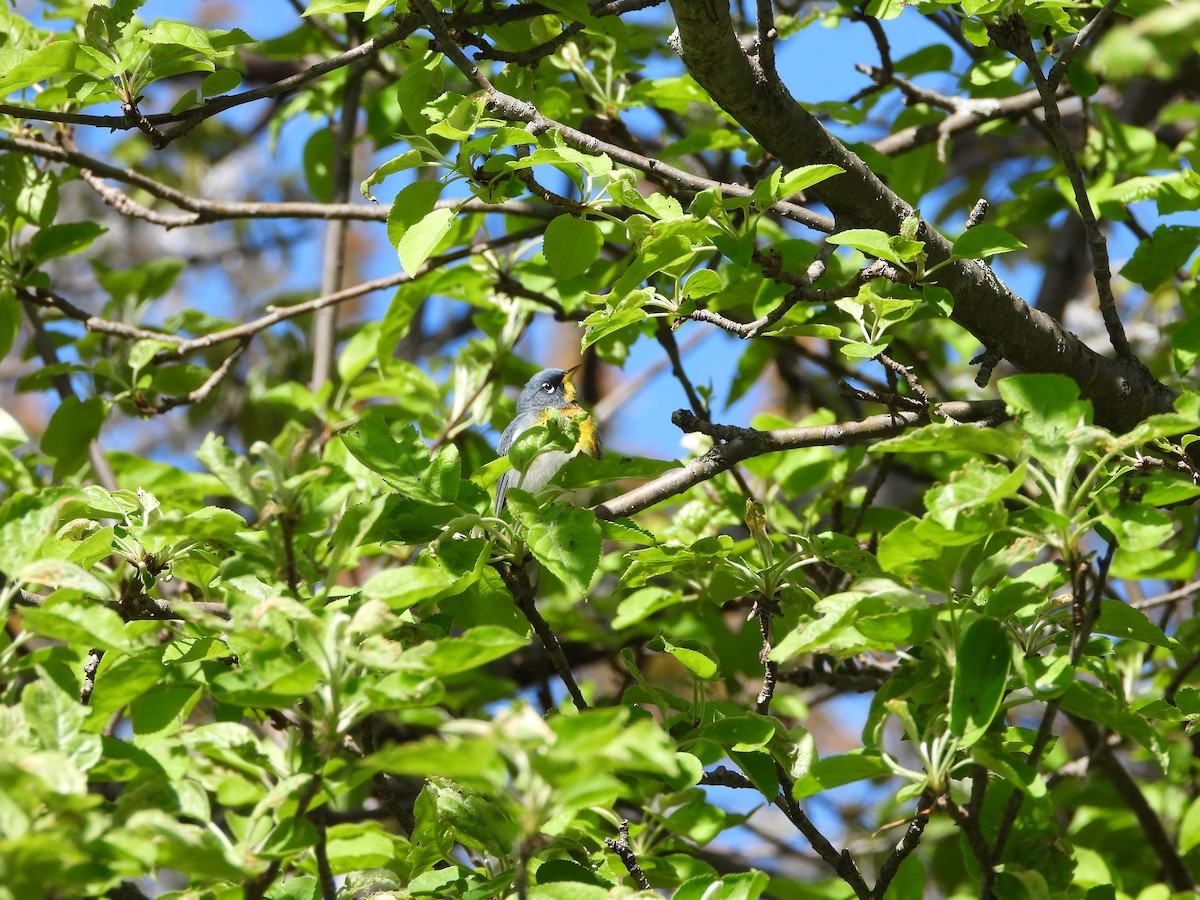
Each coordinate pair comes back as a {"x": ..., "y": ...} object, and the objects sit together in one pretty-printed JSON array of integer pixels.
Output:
[{"x": 548, "y": 389}]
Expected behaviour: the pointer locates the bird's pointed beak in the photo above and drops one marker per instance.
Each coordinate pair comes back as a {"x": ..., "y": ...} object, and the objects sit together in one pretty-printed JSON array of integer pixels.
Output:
[{"x": 568, "y": 384}]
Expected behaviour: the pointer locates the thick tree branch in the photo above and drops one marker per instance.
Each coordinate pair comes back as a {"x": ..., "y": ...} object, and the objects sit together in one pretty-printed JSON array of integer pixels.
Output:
[{"x": 1122, "y": 391}]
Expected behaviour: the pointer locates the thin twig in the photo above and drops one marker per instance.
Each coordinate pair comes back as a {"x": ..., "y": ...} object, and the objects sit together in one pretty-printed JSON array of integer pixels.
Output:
[
  {"x": 191, "y": 118},
  {"x": 89, "y": 675},
  {"x": 748, "y": 330},
  {"x": 841, "y": 863},
  {"x": 1013, "y": 35},
  {"x": 289, "y": 312},
  {"x": 905, "y": 847},
  {"x": 620, "y": 846},
  {"x": 1085, "y": 610},
  {"x": 516, "y": 579},
  {"x": 1102, "y": 757},
  {"x": 1081, "y": 40},
  {"x": 517, "y": 110},
  {"x": 49, "y": 353},
  {"x": 383, "y": 782},
  {"x": 762, "y": 611},
  {"x": 200, "y": 394},
  {"x": 767, "y": 35},
  {"x": 321, "y": 852}
]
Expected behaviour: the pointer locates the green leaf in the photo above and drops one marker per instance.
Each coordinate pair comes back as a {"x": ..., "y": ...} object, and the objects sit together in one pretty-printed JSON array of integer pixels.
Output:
[
  {"x": 571, "y": 245},
  {"x": 835, "y": 771},
  {"x": 867, "y": 240},
  {"x": 409, "y": 159},
  {"x": 1121, "y": 620},
  {"x": 1189, "y": 828},
  {"x": 980, "y": 679},
  {"x": 744, "y": 734},
  {"x": 698, "y": 659},
  {"x": 642, "y": 604},
  {"x": 22, "y": 69},
  {"x": 472, "y": 649},
  {"x": 609, "y": 320},
  {"x": 318, "y": 164},
  {"x": 1046, "y": 405},
  {"x": 422, "y": 239},
  {"x": 703, "y": 283},
  {"x": 220, "y": 82},
  {"x": 64, "y": 239},
  {"x": 403, "y": 463},
  {"x": 180, "y": 34},
  {"x": 984, "y": 240},
  {"x": 411, "y": 207},
  {"x": 564, "y": 539},
  {"x": 70, "y": 432},
  {"x": 58, "y": 573},
  {"x": 805, "y": 177},
  {"x": 401, "y": 587},
  {"x": 330, "y": 7},
  {"x": 81, "y": 624},
  {"x": 1155, "y": 262}
]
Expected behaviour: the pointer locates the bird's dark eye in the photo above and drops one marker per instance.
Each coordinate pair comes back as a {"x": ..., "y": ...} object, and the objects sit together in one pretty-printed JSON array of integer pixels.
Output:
[{"x": 547, "y": 387}]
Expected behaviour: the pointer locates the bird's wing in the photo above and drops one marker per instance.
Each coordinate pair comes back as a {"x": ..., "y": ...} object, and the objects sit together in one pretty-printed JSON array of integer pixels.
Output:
[
  {"x": 511, "y": 433},
  {"x": 507, "y": 480}
]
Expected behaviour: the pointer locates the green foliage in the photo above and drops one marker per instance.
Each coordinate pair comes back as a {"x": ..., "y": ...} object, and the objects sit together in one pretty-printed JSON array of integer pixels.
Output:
[{"x": 283, "y": 639}]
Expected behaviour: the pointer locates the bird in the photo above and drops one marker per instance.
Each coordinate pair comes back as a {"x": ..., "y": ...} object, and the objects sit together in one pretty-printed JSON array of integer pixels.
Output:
[{"x": 548, "y": 389}]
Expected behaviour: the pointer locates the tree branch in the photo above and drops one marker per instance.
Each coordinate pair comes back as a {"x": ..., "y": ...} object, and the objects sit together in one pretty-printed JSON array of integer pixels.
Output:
[
  {"x": 1013, "y": 35},
  {"x": 516, "y": 579},
  {"x": 744, "y": 443},
  {"x": 1103, "y": 758},
  {"x": 1122, "y": 391},
  {"x": 516, "y": 110},
  {"x": 620, "y": 846},
  {"x": 191, "y": 118}
]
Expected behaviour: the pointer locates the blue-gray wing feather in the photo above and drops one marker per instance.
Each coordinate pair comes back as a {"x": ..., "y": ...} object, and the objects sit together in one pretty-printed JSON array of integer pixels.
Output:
[{"x": 509, "y": 478}]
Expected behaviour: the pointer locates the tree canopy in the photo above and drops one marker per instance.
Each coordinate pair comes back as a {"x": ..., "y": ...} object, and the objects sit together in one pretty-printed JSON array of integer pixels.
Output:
[{"x": 910, "y": 616}]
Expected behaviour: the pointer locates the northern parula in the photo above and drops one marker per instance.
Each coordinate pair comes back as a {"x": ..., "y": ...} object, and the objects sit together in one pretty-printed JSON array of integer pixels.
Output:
[{"x": 548, "y": 389}]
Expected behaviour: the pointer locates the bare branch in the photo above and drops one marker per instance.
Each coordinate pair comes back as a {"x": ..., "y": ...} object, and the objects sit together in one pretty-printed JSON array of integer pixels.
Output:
[
  {"x": 205, "y": 211},
  {"x": 620, "y": 846},
  {"x": 744, "y": 443},
  {"x": 289, "y": 312},
  {"x": 200, "y": 394},
  {"x": 191, "y": 118},
  {"x": 1126, "y": 787},
  {"x": 516, "y": 579},
  {"x": 902, "y": 850},
  {"x": 1082, "y": 38},
  {"x": 1013, "y": 35}
]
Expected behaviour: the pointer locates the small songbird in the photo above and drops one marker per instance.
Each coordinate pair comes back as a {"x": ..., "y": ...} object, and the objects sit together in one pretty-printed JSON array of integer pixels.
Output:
[{"x": 547, "y": 390}]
